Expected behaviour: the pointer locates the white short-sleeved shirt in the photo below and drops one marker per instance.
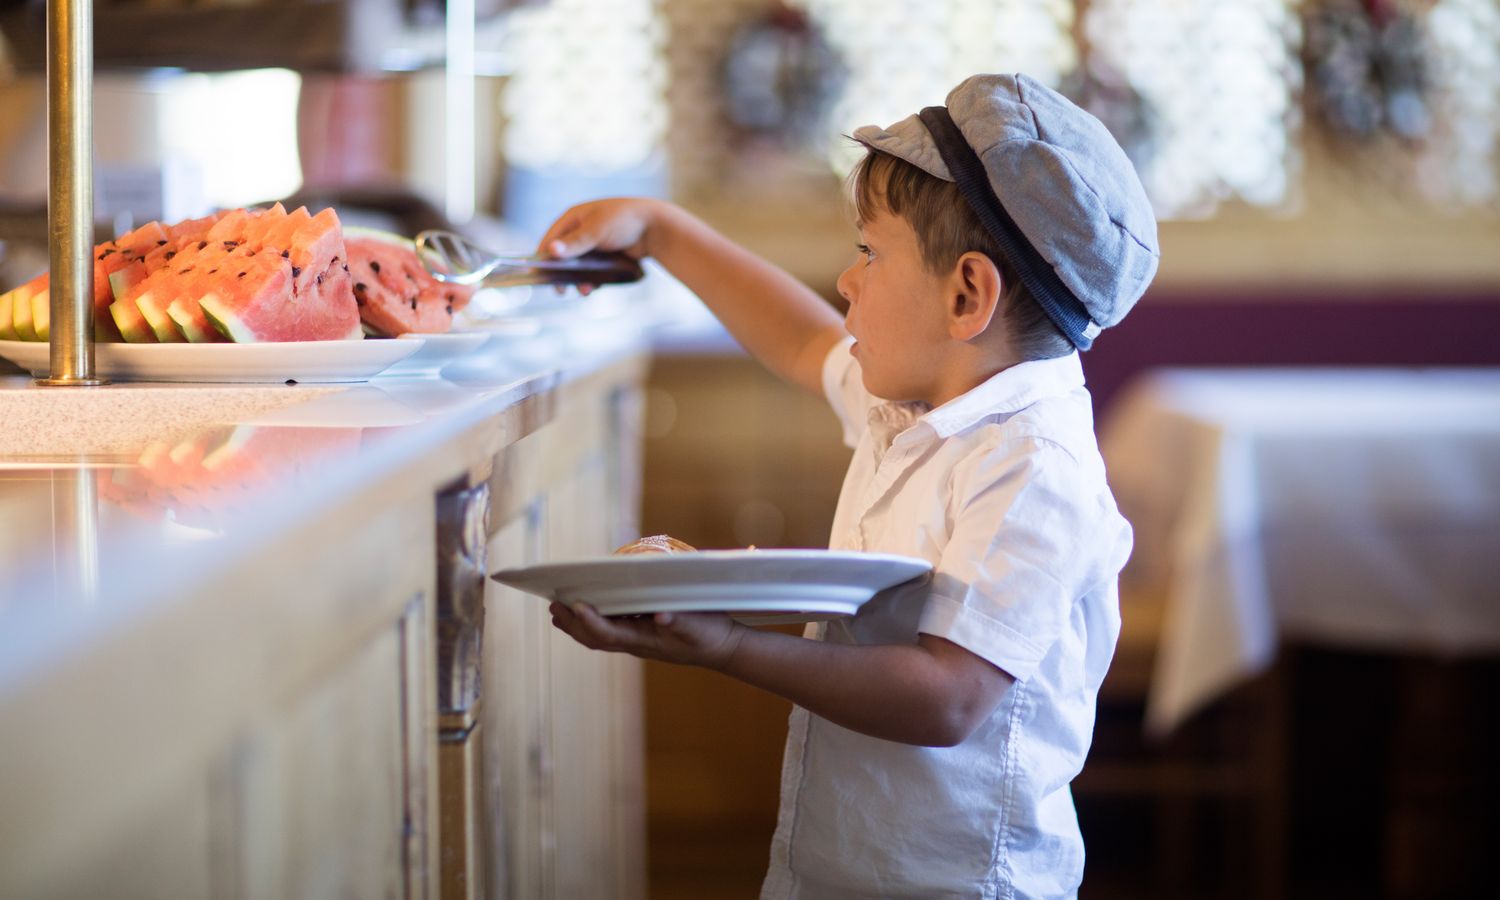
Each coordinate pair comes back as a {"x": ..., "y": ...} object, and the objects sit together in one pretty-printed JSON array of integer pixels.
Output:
[{"x": 1003, "y": 489}]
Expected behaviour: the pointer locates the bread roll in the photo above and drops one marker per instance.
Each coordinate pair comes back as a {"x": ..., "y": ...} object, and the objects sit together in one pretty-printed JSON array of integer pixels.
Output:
[{"x": 657, "y": 543}]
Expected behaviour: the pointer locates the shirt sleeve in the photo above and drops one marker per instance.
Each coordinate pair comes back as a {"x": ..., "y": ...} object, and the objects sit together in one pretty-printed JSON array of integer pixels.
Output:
[
  {"x": 845, "y": 389},
  {"x": 1025, "y": 530}
]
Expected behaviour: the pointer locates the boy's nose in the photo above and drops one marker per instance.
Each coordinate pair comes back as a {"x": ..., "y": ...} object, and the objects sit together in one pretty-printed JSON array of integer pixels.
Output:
[{"x": 845, "y": 284}]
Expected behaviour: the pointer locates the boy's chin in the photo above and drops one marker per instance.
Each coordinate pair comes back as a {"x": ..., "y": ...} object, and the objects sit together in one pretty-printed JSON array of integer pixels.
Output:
[{"x": 885, "y": 392}]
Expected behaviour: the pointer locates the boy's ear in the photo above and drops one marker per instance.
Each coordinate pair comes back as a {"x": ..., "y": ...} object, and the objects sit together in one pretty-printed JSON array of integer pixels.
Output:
[{"x": 974, "y": 296}]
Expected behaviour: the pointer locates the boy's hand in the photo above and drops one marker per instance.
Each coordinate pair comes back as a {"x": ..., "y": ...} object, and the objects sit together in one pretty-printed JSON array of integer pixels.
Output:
[
  {"x": 699, "y": 639},
  {"x": 622, "y": 223}
]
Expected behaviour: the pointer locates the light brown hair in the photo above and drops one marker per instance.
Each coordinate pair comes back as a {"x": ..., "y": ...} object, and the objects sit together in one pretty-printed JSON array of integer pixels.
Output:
[{"x": 946, "y": 229}]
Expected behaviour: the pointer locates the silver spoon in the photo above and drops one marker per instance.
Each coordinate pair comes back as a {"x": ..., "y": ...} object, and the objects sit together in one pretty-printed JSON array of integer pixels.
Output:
[{"x": 454, "y": 258}]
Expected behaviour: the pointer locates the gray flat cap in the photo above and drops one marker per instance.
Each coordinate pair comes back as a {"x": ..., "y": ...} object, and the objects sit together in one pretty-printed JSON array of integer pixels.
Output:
[{"x": 1064, "y": 185}]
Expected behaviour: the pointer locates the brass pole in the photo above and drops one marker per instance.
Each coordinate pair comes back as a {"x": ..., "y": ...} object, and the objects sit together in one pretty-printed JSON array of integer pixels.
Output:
[{"x": 70, "y": 201}]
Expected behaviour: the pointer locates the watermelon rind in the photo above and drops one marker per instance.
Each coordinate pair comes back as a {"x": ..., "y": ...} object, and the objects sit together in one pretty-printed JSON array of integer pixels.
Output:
[
  {"x": 7, "y": 323},
  {"x": 132, "y": 326},
  {"x": 21, "y": 314},
  {"x": 228, "y": 325},
  {"x": 41, "y": 314},
  {"x": 181, "y": 312},
  {"x": 119, "y": 283}
]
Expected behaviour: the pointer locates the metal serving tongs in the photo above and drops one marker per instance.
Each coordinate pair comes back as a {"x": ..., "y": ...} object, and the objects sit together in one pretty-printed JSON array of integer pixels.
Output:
[{"x": 454, "y": 258}]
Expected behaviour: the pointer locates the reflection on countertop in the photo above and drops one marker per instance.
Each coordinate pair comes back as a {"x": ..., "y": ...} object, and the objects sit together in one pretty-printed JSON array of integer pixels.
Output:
[{"x": 112, "y": 497}]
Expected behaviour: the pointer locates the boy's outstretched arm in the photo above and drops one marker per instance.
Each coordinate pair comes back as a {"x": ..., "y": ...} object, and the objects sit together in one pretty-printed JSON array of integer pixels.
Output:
[
  {"x": 781, "y": 321},
  {"x": 933, "y": 693}
]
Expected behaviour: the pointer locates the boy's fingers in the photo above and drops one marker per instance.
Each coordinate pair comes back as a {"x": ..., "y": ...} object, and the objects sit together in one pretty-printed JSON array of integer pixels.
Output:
[
  {"x": 612, "y": 633},
  {"x": 561, "y": 235},
  {"x": 569, "y": 241}
]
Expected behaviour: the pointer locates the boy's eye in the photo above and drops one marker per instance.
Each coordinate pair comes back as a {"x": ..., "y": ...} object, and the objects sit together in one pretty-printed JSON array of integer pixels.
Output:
[{"x": 864, "y": 250}]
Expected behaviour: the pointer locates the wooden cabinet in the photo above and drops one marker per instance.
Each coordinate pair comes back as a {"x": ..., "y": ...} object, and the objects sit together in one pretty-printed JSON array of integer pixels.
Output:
[
  {"x": 351, "y": 708},
  {"x": 271, "y": 738},
  {"x": 561, "y": 725}
]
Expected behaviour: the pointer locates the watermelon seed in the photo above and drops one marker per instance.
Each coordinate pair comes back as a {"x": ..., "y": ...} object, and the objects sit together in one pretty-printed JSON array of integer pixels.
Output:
[
  {"x": 320, "y": 278},
  {"x": 170, "y": 253},
  {"x": 249, "y": 252},
  {"x": 413, "y": 302},
  {"x": 108, "y": 252},
  {"x": 241, "y": 275},
  {"x": 286, "y": 254},
  {"x": 296, "y": 271},
  {"x": 230, "y": 245},
  {"x": 359, "y": 287},
  {"x": 375, "y": 267},
  {"x": 185, "y": 271},
  {"x": 449, "y": 308},
  {"x": 202, "y": 244},
  {"x": 212, "y": 271},
  {"x": 159, "y": 243},
  {"x": 140, "y": 259},
  {"x": 346, "y": 267}
]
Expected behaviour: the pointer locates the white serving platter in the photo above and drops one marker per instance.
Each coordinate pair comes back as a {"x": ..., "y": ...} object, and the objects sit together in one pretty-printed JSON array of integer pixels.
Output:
[
  {"x": 438, "y": 350},
  {"x": 793, "y": 585},
  {"x": 305, "y": 362}
]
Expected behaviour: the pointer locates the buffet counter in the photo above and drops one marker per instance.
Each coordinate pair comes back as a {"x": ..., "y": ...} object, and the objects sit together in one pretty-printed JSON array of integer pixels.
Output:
[{"x": 247, "y": 647}]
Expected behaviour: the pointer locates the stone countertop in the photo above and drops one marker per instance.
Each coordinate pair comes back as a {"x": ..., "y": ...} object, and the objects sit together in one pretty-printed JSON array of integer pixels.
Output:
[{"x": 115, "y": 500}]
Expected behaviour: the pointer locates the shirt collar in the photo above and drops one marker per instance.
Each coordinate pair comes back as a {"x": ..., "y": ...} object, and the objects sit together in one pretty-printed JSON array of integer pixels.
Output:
[{"x": 1008, "y": 391}]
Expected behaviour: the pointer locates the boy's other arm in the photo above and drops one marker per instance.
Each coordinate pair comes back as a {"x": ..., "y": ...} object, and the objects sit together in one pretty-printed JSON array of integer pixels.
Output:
[
  {"x": 933, "y": 693},
  {"x": 777, "y": 318}
]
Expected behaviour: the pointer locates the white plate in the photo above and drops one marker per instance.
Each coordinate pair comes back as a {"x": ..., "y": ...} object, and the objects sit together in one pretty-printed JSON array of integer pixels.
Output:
[
  {"x": 807, "y": 583},
  {"x": 438, "y": 350},
  {"x": 300, "y": 361}
]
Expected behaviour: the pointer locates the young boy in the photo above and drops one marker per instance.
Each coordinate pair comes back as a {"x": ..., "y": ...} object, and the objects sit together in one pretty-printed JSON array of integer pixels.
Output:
[{"x": 936, "y": 732}]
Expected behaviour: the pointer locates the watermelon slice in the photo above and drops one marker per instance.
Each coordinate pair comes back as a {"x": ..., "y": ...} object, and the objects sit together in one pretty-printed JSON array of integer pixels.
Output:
[
  {"x": 297, "y": 295},
  {"x": 314, "y": 248},
  {"x": 395, "y": 292},
  {"x": 124, "y": 312},
  {"x": 41, "y": 313},
  {"x": 260, "y": 224},
  {"x": 142, "y": 239},
  {"x": 286, "y": 276},
  {"x": 191, "y": 229},
  {"x": 254, "y": 303},
  {"x": 185, "y": 308},
  {"x": 280, "y": 235},
  {"x": 112, "y": 256},
  {"x": 23, "y": 314},
  {"x": 7, "y": 316}
]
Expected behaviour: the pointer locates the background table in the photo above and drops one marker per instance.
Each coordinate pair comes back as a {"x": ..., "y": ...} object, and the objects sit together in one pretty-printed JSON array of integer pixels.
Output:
[{"x": 1352, "y": 507}]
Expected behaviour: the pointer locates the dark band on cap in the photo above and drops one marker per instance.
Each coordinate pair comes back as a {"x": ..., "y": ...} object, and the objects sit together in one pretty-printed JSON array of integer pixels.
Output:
[{"x": 1065, "y": 310}]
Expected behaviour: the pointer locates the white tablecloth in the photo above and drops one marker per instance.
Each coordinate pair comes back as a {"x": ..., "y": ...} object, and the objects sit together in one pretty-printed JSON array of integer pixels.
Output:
[{"x": 1357, "y": 508}]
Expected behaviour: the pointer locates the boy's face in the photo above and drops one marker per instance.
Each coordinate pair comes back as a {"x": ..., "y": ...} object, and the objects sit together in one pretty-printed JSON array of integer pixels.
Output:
[{"x": 896, "y": 312}]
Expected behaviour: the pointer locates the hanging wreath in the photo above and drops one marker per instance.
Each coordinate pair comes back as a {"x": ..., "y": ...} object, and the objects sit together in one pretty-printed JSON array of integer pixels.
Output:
[
  {"x": 781, "y": 78},
  {"x": 1369, "y": 68}
]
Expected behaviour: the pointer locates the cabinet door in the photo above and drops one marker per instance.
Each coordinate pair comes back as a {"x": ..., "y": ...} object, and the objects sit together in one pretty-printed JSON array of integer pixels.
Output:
[
  {"x": 596, "y": 726},
  {"x": 516, "y": 712},
  {"x": 269, "y": 736},
  {"x": 562, "y": 724},
  {"x": 319, "y": 796}
]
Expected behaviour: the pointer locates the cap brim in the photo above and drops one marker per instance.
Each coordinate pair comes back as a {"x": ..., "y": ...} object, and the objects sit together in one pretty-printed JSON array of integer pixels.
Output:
[{"x": 908, "y": 139}]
